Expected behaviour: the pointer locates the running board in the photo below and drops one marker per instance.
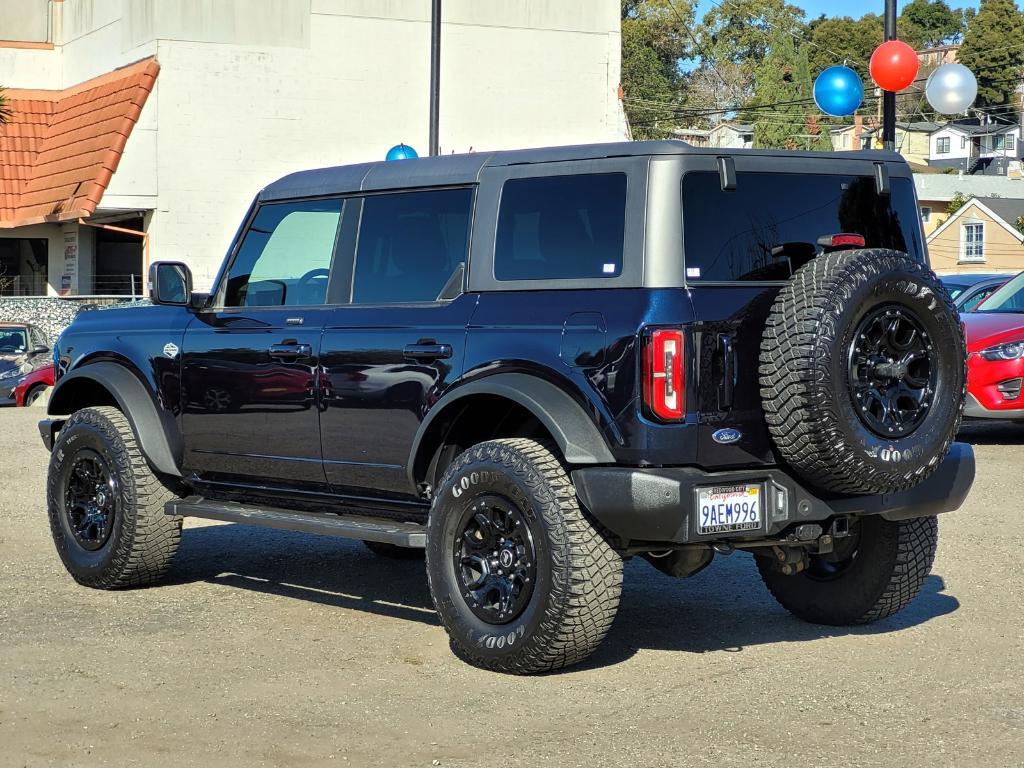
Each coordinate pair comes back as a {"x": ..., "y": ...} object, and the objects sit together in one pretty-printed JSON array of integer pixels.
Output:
[{"x": 346, "y": 526}]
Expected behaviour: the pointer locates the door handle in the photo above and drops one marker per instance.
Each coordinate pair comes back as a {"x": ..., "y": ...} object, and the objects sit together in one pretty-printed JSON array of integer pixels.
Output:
[
  {"x": 427, "y": 351},
  {"x": 290, "y": 351}
]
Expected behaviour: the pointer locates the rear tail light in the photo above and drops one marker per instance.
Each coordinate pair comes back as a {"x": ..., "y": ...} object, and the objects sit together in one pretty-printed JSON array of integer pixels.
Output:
[
  {"x": 664, "y": 384},
  {"x": 842, "y": 240}
]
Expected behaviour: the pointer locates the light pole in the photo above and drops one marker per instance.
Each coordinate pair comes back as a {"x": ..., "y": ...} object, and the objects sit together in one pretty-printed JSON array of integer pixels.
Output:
[
  {"x": 435, "y": 77},
  {"x": 888, "y": 97}
]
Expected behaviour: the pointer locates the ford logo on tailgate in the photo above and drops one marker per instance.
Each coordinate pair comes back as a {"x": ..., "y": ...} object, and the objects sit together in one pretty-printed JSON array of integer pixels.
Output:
[{"x": 727, "y": 436}]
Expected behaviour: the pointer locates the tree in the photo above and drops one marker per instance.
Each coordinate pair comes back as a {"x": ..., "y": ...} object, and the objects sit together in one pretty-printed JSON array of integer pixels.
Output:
[
  {"x": 654, "y": 35},
  {"x": 928, "y": 23},
  {"x": 740, "y": 31},
  {"x": 5, "y": 109},
  {"x": 958, "y": 201},
  {"x": 992, "y": 50},
  {"x": 783, "y": 87},
  {"x": 844, "y": 40}
]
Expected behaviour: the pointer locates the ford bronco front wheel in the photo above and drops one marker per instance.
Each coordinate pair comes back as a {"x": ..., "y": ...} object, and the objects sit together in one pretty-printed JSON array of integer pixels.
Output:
[
  {"x": 106, "y": 506},
  {"x": 521, "y": 579}
]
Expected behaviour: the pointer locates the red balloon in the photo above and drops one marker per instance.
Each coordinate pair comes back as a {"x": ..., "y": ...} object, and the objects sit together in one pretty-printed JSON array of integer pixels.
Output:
[{"x": 894, "y": 65}]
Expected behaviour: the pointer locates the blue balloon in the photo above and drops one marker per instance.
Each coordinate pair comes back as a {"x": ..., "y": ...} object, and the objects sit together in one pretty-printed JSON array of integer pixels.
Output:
[
  {"x": 838, "y": 91},
  {"x": 401, "y": 152}
]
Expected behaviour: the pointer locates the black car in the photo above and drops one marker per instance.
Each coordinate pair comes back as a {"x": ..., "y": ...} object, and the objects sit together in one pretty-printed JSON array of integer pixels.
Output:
[
  {"x": 536, "y": 365},
  {"x": 968, "y": 291},
  {"x": 23, "y": 349}
]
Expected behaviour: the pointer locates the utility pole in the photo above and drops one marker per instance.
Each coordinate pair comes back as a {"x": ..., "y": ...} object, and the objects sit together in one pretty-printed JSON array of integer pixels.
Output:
[
  {"x": 435, "y": 78},
  {"x": 889, "y": 97}
]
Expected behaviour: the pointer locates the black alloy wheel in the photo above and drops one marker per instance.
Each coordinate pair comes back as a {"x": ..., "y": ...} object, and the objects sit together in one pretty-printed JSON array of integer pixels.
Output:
[
  {"x": 495, "y": 559},
  {"x": 90, "y": 500},
  {"x": 892, "y": 378}
]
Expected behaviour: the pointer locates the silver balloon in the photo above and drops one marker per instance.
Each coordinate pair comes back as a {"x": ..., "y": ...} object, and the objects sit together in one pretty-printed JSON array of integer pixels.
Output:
[{"x": 951, "y": 89}]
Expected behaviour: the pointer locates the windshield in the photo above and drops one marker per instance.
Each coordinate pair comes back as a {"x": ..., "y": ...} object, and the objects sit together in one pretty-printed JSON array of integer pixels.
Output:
[
  {"x": 12, "y": 341},
  {"x": 1009, "y": 298}
]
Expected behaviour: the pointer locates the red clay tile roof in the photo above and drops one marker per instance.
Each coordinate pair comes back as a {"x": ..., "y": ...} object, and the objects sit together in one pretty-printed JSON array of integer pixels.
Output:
[{"x": 60, "y": 148}]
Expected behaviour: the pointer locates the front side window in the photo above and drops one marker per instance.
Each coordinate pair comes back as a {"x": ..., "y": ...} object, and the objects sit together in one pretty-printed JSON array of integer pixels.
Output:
[
  {"x": 285, "y": 257},
  {"x": 410, "y": 245},
  {"x": 770, "y": 224},
  {"x": 942, "y": 146},
  {"x": 974, "y": 242},
  {"x": 561, "y": 228}
]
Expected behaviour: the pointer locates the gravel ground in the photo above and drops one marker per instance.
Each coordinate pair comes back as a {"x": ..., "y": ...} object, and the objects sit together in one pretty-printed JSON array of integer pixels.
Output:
[{"x": 269, "y": 648}]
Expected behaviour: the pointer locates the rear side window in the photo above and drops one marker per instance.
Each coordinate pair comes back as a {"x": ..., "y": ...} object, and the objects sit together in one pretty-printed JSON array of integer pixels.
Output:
[
  {"x": 410, "y": 245},
  {"x": 285, "y": 257},
  {"x": 769, "y": 225},
  {"x": 561, "y": 227}
]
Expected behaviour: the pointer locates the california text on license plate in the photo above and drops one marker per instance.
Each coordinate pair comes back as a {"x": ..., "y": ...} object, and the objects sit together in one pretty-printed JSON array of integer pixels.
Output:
[{"x": 728, "y": 508}]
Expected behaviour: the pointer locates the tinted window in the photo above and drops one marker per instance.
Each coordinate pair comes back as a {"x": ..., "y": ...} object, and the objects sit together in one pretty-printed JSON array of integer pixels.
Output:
[
  {"x": 561, "y": 227},
  {"x": 973, "y": 301},
  {"x": 285, "y": 257},
  {"x": 12, "y": 340},
  {"x": 1009, "y": 298},
  {"x": 410, "y": 245},
  {"x": 770, "y": 224}
]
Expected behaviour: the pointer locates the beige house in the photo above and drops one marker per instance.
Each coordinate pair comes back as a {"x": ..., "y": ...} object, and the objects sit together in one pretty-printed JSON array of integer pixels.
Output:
[
  {"x": 936, "y": 190},
  {"x": 983, "y": 236},
  {"x": 912, "y": 140}
]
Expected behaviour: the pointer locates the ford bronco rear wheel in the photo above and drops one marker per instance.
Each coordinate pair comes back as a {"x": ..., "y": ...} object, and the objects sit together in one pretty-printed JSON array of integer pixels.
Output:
[
  {"x": 872, "y": 574},
  {"x": 862, "y": 370},
  {"x": 106, "y": 507},
  {"x": 521, "y": 579}
]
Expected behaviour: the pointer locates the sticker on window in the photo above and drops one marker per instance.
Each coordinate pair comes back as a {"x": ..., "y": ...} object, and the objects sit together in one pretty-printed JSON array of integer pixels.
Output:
[
  {"x": 609, "y": 269},
  {"x": 693, "y": 272}
]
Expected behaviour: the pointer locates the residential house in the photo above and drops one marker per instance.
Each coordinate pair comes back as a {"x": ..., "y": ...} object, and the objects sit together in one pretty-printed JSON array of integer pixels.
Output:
[
  {"x": 732, "y": 135},
  {"x": 985, "y": 235},
  {"x": 930, "y": 58},
  {"x": 911, "y": 140},
  {"x": 161, "y": 119},
  {"x": 848, "y": 137},
  {"x": 936, "y": 190},
  {"x": 991, "y": 149},
  {"x": 696, "y": 137}
]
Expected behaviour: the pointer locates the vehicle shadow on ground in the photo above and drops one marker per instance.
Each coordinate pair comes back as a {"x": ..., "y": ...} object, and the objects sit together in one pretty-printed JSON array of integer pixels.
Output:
[
  {"x": 724, "y": 608},
  {"x": 982, "y": 432}
]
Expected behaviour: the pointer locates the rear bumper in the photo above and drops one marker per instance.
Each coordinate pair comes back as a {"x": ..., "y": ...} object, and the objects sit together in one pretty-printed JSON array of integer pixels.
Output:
[{"x": 658, "y": 505}]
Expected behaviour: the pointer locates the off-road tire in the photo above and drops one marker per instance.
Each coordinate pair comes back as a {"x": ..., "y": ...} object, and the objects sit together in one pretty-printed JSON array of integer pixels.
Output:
[
  {"x": 393, "y": 551},
  {"x": 805, "y": 376},
  {"x": 143, "y": 539},
  {"x": 892, "y": 561},
  {"x": 579, "y": 574}
]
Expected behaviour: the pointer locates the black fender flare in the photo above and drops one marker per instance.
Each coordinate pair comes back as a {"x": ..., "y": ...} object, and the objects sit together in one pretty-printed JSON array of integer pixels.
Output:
[
  {"x": 577, "y": 436},
  {"x": 155, "y": 429}
]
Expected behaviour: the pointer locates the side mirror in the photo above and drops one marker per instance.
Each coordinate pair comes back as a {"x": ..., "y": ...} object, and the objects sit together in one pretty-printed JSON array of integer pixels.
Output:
[
  {"x": 40, "y": 349},
  {"x": 170, "y": 282}
]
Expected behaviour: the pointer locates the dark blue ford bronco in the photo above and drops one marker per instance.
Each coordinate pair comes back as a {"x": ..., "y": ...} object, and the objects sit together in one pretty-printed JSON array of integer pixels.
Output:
[{"x": 535, "y": 365}]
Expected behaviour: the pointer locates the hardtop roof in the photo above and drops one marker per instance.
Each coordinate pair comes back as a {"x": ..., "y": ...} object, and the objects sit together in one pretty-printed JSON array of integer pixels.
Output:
[{"x": 466, "y": 168}]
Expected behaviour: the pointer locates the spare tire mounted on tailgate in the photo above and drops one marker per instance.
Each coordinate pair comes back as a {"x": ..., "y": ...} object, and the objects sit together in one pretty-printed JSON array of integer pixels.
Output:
[{"x": 862, "y": 371}]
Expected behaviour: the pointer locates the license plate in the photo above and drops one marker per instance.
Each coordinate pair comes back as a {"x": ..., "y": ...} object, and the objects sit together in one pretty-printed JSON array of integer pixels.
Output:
[{"x": 729, "y": 508}]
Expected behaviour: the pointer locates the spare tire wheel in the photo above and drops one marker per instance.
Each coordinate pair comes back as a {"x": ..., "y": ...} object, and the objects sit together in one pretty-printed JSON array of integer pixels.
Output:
[{"x": 863, "y": 371}]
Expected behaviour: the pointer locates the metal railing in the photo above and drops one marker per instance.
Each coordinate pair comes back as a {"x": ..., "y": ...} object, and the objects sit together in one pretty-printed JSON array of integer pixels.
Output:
[
  {"x": 22, "y": 285},
  {"x": 115, "y": 285}
]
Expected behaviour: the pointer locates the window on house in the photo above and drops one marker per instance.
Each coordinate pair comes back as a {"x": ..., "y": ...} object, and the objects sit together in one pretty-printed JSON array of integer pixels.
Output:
[
  {"x": 973, "y": 248},
  {"x": 963, "y": 142},
  {"x": 926, "y": 214},
  {"x": 942, "y": 146}
]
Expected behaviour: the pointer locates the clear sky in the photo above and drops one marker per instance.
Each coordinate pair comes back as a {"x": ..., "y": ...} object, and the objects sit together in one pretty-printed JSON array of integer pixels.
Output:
[{"x": 854, "y": 8}]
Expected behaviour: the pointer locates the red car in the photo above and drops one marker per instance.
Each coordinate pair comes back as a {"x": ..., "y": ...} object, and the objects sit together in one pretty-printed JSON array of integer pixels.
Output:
[
  {"x": 995, "y": 354},
  {"x": 31, "y": 386}
]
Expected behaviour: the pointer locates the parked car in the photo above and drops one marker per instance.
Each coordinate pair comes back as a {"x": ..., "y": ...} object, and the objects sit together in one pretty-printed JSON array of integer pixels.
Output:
[
  {"x": 535, "y": 365},
  {"x": 968, "y": 291},
  {"x": 31, "y": 386},
  {"x": 23, "y": 349},
  {"x": 995, "y": 362}
]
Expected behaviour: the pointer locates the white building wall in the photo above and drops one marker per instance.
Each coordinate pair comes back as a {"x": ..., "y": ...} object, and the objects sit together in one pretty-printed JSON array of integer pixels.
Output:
[
  {"x": 958, "y": 150},
  {"x": 250, "y": 90}
]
